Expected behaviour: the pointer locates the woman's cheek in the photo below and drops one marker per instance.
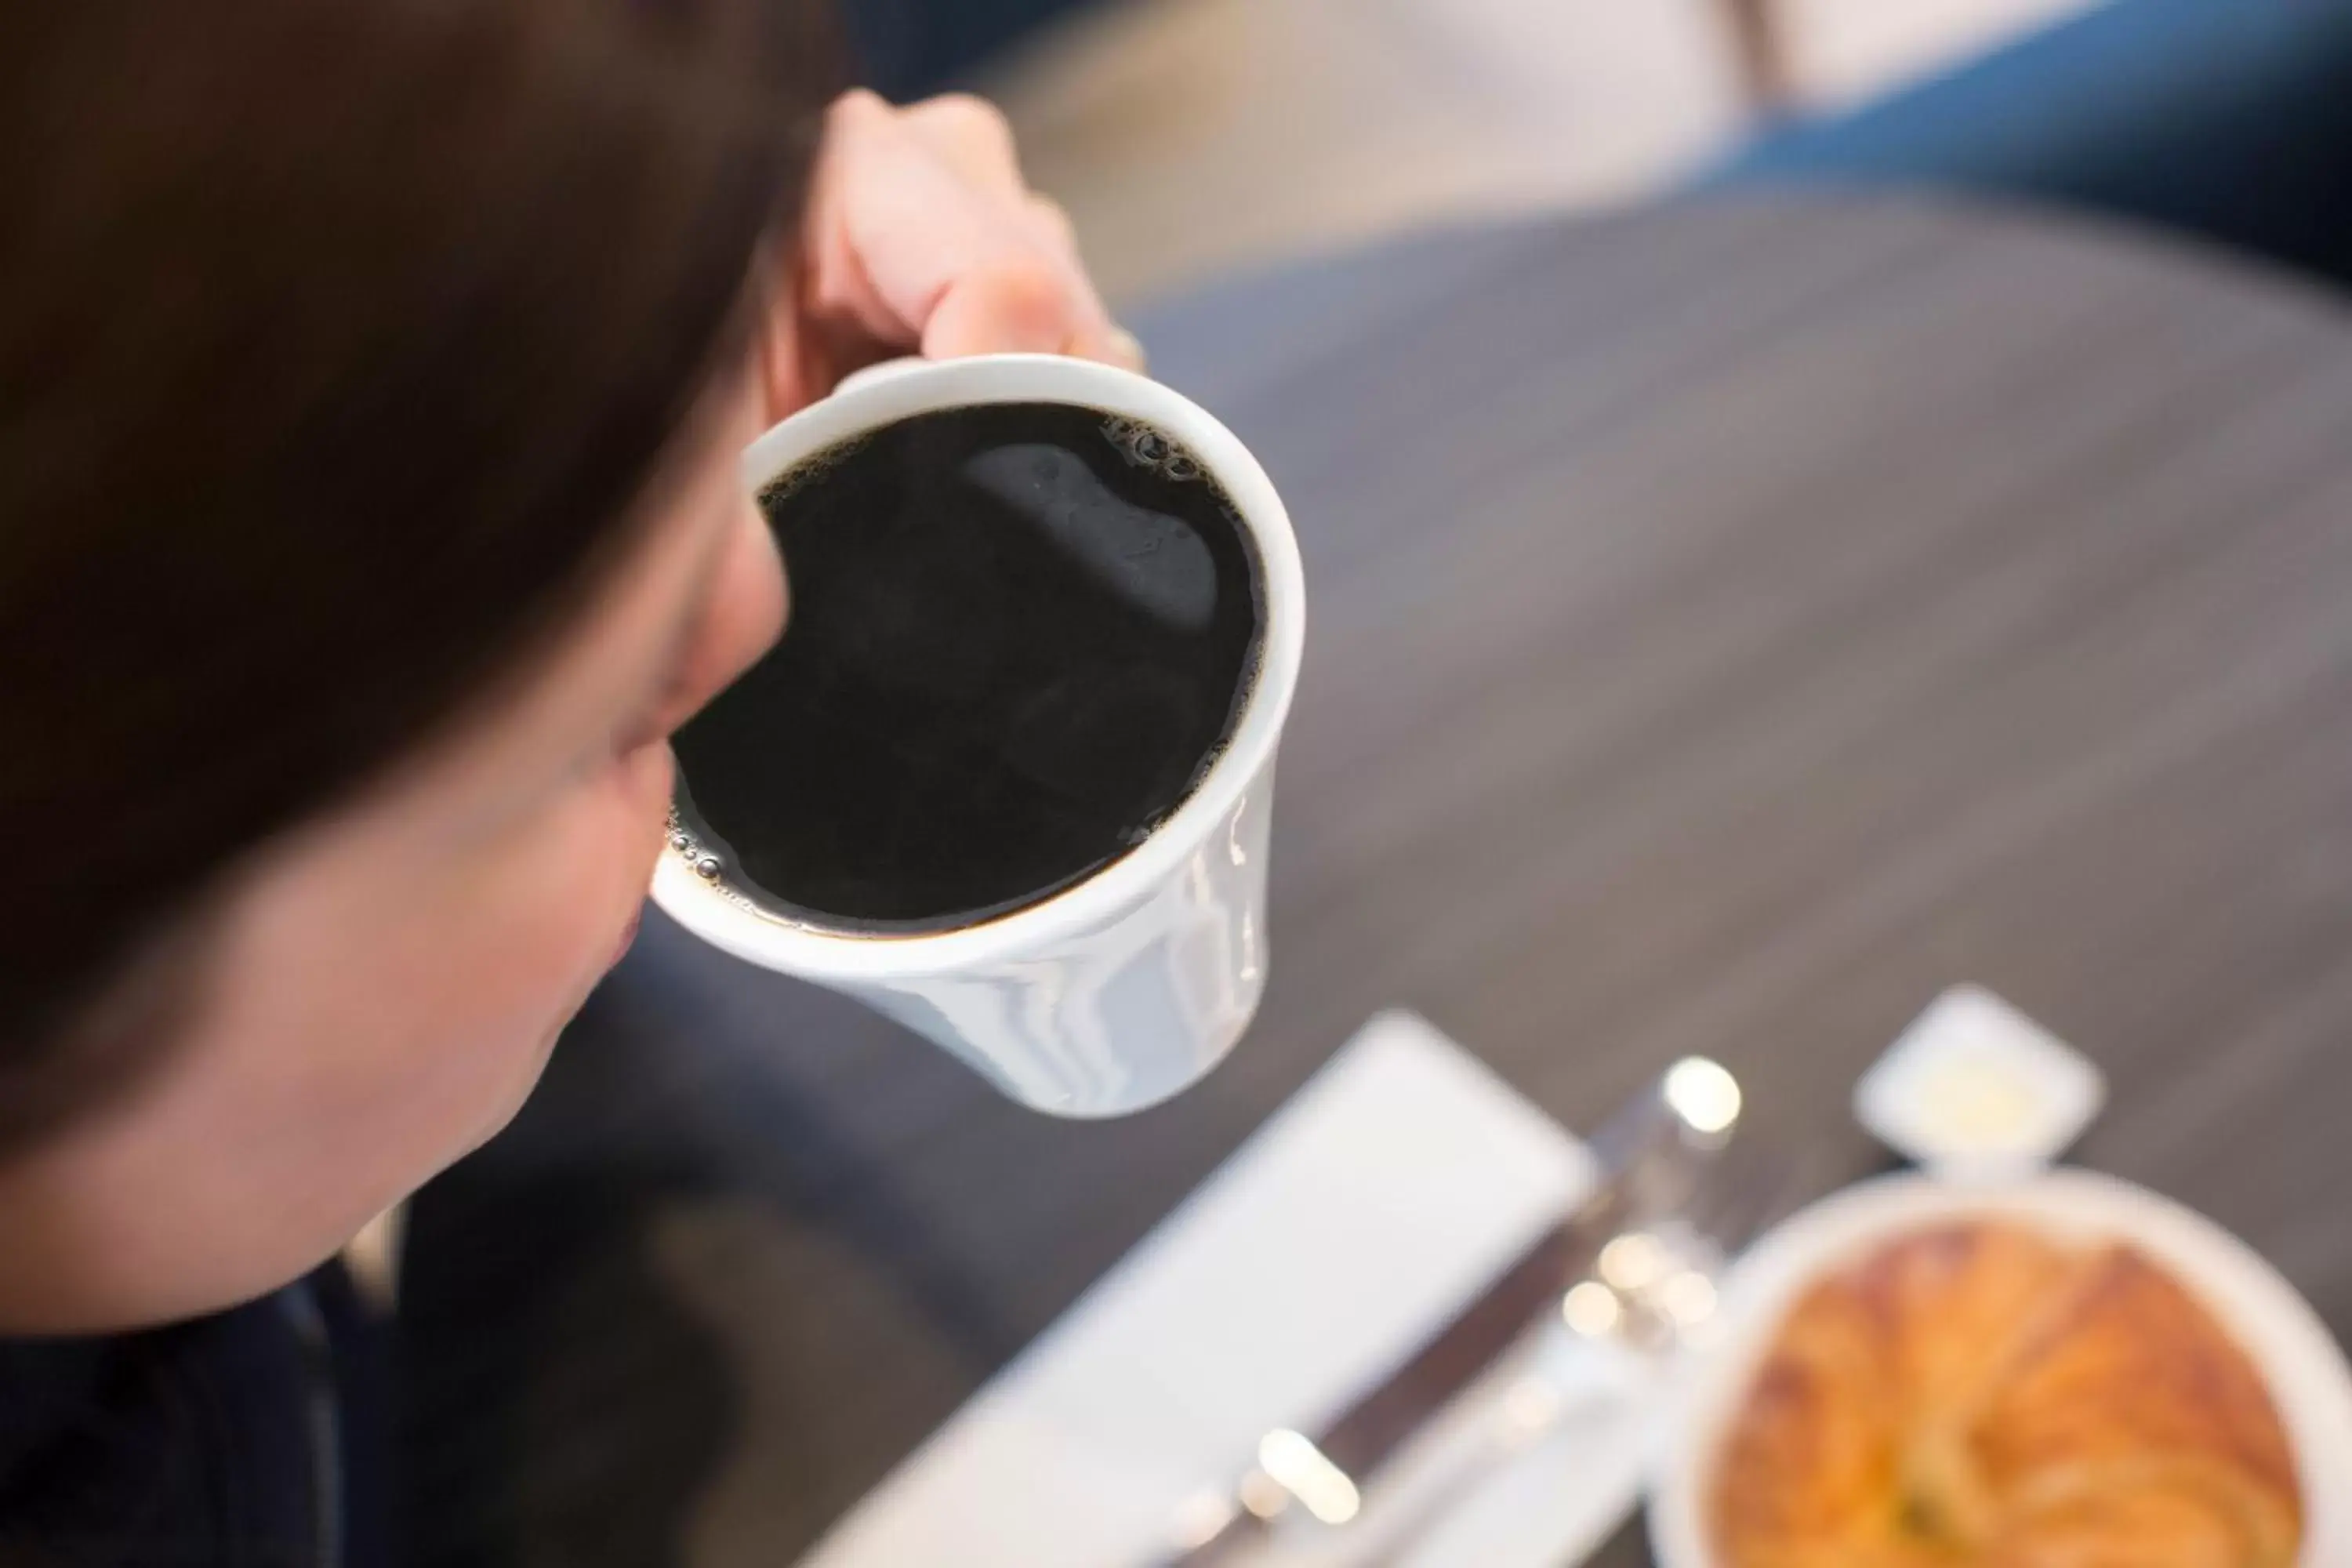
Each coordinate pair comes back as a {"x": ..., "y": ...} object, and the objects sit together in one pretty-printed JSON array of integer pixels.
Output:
[
  {"x": 647, "y": 781},
  {"x": 589, "y": 861},
  {"x": 565, "y": 918},
  {"x": 613, "y": 852}
]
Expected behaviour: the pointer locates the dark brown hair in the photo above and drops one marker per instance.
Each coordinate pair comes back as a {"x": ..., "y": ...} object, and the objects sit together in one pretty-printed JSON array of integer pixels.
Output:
[{"x": 339, "y": 342}]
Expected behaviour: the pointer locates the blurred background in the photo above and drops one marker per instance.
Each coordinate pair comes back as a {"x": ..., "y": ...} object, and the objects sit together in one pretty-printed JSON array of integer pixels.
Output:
[{"x": 1190, "y": 136}]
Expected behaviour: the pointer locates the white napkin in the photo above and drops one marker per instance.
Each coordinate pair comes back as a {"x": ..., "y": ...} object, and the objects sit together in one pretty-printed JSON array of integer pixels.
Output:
[{"x": 1353, "y": 1224}]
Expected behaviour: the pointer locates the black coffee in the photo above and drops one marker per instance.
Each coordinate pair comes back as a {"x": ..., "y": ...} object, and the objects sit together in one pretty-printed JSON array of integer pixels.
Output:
[{"x": 1020, "y": 635}]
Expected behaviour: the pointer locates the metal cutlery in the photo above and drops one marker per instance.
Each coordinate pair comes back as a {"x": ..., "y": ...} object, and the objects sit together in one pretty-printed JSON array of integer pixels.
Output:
[
  {"x": 1655, "y": 1156},
  {"x": 1650, "y": 1288}
]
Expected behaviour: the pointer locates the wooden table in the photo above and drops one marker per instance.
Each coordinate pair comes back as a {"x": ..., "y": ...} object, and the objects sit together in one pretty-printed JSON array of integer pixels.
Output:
[{"x": 1731, "y": 625}]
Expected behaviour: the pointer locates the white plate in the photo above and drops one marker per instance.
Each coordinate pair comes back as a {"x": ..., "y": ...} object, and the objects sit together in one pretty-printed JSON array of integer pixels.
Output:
[{"x": 2305, "y": 1368}]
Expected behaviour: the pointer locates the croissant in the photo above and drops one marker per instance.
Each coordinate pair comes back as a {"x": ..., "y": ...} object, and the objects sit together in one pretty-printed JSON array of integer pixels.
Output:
[{"x": 1978, "y": 1396}]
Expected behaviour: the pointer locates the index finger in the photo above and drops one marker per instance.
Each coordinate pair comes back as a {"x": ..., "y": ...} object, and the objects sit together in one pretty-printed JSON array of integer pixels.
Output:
[
  {"x": 971, "y": 136},
  {"x": 924, "y": 257}
]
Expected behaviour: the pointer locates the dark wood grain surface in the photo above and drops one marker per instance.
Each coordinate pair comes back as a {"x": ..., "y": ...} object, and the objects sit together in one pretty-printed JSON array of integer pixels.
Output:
[{"x": 1730, "y": 626}]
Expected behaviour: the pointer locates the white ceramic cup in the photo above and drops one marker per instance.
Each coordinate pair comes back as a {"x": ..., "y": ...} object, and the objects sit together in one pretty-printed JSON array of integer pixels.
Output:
[{"x": 1126, "y": 987}]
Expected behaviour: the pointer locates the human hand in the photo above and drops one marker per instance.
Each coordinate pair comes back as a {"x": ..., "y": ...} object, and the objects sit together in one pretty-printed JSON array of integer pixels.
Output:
[{"x": 920, "y": 234}]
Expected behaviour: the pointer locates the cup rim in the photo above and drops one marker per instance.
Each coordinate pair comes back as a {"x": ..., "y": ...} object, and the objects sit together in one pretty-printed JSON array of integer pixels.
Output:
[{"x": 872, "y": 400}]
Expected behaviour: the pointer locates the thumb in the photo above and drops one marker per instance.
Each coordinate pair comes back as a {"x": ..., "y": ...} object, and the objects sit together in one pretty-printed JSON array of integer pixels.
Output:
[{"x": 1011, "y": 305}]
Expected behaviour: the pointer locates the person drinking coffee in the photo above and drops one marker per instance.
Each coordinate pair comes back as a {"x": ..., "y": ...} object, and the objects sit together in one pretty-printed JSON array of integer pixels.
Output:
[{"x": 372, "y": 381}]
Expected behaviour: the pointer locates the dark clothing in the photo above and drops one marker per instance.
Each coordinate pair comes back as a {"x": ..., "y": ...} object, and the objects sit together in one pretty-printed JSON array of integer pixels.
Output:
[{"x": 254, "y": 1438}]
